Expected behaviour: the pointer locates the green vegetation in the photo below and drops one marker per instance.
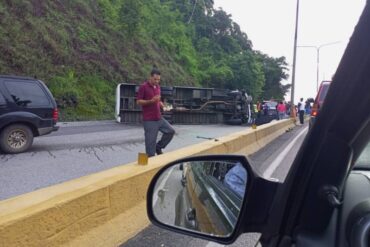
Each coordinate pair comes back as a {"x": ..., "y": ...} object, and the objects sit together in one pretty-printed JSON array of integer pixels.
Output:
[{"x": 83, "y": 48}]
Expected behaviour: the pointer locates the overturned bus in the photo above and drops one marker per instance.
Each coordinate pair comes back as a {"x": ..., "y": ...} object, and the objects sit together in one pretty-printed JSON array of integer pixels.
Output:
[{"x": 188, "y": 105}]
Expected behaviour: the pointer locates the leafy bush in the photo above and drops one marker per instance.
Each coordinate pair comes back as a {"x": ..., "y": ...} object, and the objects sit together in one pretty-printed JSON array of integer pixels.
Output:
[{"x": 83, "y": 97}]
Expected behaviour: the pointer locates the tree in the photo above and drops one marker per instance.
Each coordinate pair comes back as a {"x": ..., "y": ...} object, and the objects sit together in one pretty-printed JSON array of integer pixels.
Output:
[
  {"x": 274, "y": 70},
  {"x": 248, "y": 74},
  {"x": 130, "y": 16}
]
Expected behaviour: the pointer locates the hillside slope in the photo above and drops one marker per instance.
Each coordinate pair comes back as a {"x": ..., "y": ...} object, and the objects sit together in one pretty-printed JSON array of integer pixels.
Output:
[{"x": 83, "y": 48}]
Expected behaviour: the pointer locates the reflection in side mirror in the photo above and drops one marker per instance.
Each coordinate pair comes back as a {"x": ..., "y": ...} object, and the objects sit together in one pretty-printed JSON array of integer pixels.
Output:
[{"x": 201, "y": 196}]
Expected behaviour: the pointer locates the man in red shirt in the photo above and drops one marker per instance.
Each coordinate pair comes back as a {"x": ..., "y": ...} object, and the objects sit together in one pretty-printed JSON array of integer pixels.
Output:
[
  {"x": 149, "y": 97},
  {"x": 281, "y": 110}
]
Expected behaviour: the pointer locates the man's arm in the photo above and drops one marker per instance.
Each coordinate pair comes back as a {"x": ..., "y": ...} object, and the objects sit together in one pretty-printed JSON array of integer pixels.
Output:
[{"x": 144, "y": 102}]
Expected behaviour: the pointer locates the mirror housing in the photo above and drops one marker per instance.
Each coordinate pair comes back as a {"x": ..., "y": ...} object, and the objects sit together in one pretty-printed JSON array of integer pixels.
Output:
[{"x": 250, "y": 214}]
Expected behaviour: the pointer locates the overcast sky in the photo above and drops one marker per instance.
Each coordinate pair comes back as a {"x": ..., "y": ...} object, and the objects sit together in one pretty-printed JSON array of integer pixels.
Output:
[{"x": 270, "y": 27}]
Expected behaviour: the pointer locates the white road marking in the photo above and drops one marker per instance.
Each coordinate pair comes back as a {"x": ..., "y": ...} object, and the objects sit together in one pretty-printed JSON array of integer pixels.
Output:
[
  {"x": 213, "y": 244},
  {"x": 271, "y": 169},
  {"x": 161, "y": 185}
]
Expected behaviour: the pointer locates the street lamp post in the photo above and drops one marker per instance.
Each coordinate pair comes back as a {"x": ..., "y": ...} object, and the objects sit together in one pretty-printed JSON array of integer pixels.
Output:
[{"x": 318, "y": 58}]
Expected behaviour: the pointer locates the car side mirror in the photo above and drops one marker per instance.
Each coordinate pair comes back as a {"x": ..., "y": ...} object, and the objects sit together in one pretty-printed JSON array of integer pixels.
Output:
[{"x": 203, "y": 196}]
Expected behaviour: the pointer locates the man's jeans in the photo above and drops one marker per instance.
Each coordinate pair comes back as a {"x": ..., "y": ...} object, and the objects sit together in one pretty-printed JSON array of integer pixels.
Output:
[
  {"x": 301, "y": 117},
  {"x": 151, "y": 129}
]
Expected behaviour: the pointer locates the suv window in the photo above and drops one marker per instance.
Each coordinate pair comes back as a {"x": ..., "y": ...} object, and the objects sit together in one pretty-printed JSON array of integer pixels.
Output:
[
  {"x": 324, "y": 91},
  {"x": 2, "y": 100},
  {"x": 28, "y": 94},
  {"x": 271, "y": 105}
]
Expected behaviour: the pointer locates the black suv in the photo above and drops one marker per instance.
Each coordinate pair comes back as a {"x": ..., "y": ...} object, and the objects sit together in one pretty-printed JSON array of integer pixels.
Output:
[{"x": 27, "y": 109}]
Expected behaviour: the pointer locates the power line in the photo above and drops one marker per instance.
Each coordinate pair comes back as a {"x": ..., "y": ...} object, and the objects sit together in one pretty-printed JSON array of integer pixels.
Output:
[{"x": 192, "y": 13}]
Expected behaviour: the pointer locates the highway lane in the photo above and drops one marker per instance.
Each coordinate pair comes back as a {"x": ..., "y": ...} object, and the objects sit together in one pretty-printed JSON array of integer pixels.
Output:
[
  {"x": 272, "y": 161},
  {"x": 81, "y": 148}
]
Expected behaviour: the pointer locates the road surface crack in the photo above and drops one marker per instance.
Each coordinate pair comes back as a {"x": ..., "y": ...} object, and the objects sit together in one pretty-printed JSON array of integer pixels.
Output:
[
  {"x": 51, "y": 154},
  {"x": 6, "y": 157},
  {"x": 92, "y": 150}
]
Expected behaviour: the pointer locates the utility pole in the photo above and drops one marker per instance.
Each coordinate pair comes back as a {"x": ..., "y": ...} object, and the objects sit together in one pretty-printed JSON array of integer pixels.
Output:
[{"x": 292, "y": 109}]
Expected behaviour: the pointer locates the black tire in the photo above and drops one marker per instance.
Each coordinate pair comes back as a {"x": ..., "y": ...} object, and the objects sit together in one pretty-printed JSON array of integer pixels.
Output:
[{"x": 16, "y": 138}]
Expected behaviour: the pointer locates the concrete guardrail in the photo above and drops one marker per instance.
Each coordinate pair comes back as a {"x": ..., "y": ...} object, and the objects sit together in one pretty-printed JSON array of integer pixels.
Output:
[{"x": 107, "y": 208}]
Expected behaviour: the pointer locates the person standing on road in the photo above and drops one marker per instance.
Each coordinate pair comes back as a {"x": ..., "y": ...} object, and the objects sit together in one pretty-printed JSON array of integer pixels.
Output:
[
  {"x": 307, "y": 107},
  {"x": 149, "y": 98},
  {"x": 301, "y": 109},
  {"x": 287, "y": 107},
  {"x": 259, "y": 109},
  {"x": 281, "y": 110}
]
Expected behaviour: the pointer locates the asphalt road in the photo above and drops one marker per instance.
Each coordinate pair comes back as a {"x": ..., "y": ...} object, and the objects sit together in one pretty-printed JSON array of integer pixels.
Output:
[
  {"x": 82, "y": 148},
  {"x": 273, "y": 161}
]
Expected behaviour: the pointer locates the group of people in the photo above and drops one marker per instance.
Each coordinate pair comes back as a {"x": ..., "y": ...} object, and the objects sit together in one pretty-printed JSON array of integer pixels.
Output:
[
  {"x": 301, "y": 109},
  {"x": 283, "y": 109}
]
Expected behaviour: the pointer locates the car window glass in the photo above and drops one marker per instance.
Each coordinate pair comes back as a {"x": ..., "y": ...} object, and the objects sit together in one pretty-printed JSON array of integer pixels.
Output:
[
  {"x": 2, "y": 100},
  {"x": 27, "y": 94},
  {"x": 216, "y": 175},
  {"x": 364, "y": 159},
  {"x": 271, "y": 105},
  {"x": 324, "y": 91}
]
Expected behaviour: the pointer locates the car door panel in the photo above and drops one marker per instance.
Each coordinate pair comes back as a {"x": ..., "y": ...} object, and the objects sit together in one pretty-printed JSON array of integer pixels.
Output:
[{"x": 357, "y": 190}]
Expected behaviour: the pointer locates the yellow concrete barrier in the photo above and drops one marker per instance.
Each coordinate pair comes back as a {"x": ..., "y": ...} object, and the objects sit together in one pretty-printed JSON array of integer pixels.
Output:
[{"x": 106, "y": 208}]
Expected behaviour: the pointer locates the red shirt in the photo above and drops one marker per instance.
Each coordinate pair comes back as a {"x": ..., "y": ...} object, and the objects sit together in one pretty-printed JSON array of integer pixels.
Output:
[
  {"x": 281, "y": 108},
  {"x": 151, "y": 112}
]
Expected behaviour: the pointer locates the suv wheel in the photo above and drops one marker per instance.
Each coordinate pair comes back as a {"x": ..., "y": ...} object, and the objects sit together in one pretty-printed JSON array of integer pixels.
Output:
[{"x": 16, "y": 138}]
